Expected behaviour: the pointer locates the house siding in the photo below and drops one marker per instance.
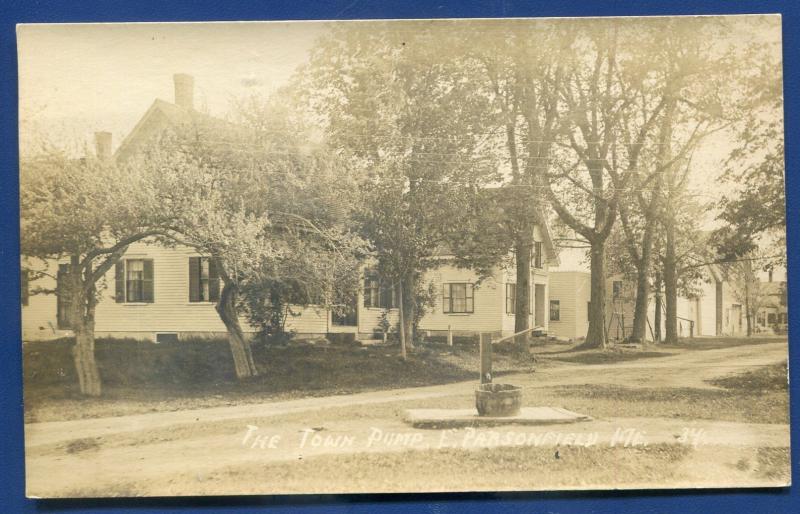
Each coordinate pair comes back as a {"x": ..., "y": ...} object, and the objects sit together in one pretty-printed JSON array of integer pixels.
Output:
[
  {"x": 39, "y": 317},
  {"x": 488, "y": 302},
  {"x": 572, "y": 290},
  {"x": 172, "y": 312}
]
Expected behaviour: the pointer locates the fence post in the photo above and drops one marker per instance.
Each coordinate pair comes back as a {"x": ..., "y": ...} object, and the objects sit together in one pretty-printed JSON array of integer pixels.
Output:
[
  {"x": 486, "y": 358},
  {"x": 449, "y": 335}
]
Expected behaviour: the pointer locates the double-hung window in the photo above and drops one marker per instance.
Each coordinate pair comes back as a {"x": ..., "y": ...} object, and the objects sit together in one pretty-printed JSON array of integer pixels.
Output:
[
  {"x": 134, "y": 281},
  {"x": 377, "y": 294},
  {"x": 555, "y": 310},
  {"x": 511, "y": 295},
  {"x": 203, "y": 280},
  {"x": 538, "y": 258},
  {"x": 457, "y": 298}
]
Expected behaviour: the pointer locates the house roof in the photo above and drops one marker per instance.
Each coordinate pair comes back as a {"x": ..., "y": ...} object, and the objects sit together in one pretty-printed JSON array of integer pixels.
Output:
[{"x": 161, "y": 115}]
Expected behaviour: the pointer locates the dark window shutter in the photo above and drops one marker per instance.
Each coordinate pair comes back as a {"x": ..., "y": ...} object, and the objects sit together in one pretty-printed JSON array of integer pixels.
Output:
[
  {"x": 445, "y": 298},
  {"x": 470, "y": 300},
  {"x": 213, "y": 281},
  {"x": 147, "y": 283},
  {"x": 119, "y": 282},
  {"x": 385, "y": 300},
  {"x": 194, "y": 279}
]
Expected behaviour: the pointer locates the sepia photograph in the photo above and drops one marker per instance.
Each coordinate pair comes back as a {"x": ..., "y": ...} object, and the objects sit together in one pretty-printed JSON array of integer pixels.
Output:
[{"x": 403, "y": 256}]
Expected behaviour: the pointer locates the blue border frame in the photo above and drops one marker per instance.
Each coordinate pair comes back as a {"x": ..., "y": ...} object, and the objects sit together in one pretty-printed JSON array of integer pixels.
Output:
[{"x": 11, "y": 428}]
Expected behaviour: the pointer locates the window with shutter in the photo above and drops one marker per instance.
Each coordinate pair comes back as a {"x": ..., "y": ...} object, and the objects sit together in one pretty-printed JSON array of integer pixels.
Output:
[
  {"x": 538, "y": 257},
  {"x": 139, "y": 280},
  {"x": 203, "y": 280}
]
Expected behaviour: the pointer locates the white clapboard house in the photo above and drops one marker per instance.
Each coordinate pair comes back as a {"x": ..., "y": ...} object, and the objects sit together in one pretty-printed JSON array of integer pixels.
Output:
[
  {"x": 713, "y": 311},
  {"x": 161, "y": 294}
]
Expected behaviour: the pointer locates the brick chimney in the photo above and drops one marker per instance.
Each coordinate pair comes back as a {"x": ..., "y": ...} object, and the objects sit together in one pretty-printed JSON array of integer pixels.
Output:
[
  {"x": 102, "y": 145},
  {"x": 184, "y": 90}
]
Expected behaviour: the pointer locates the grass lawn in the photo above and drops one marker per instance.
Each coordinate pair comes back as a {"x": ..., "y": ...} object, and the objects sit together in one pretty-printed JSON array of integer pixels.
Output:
[{"x": 143, "y": 377}]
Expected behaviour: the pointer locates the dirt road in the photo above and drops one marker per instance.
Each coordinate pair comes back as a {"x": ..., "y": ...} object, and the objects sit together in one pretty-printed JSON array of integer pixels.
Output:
[{"x": 173, "y": 452}]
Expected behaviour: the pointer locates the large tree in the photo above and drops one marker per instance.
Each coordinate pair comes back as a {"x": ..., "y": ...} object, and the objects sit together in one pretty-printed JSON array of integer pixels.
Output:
[
  {"x": 267, "y": 207},
  {"x": 396, "y": 106},
  {"x": 520, "y": 74},
  {"x": 754, "y": 211},
  {"x": 579, "y": 185},
  {"x": 83, "y": 213}
]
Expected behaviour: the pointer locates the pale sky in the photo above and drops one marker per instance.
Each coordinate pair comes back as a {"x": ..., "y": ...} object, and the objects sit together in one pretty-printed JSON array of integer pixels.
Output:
[{"x": 77, "y": 79}]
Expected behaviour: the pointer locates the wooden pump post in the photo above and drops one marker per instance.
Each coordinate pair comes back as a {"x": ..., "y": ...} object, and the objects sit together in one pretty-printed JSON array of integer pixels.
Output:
[{"x": 486, "y": 358}]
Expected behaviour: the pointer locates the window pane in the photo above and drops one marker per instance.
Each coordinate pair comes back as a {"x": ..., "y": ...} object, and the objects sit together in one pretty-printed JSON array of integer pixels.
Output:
[
  {"x": 135, "y": 266},
  {"x": 204, "y": 262},
  {"x": 555, "y": 310},
  {"x": 135, "y": 279},
  {"x": 460, "y": 297}
]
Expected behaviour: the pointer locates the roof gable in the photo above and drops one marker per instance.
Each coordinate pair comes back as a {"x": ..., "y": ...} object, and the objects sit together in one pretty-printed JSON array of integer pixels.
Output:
[{"x": 159, "y": 117}]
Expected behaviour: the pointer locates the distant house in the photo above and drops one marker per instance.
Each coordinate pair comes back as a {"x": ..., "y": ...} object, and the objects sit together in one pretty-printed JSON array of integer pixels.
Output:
[
  {"x": 160, "y": 294},
  {"x": 714, "y": 311},
  {"x": 772, "y": 315}
]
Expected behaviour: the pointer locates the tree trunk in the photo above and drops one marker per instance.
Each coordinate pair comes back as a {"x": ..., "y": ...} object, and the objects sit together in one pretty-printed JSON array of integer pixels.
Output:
[
  {"x": 409, "y": 303},
  {"x": 403, "y": 337},
  {"x": 240, "y": 347},
  {"x": 747, "y": 306},
  {"x": 658, "y": 307},
  {"x": 671, "y": 283},
  {"x": 522, "y": 298},
  {"x": 596, "y": 335},
  {"x": 83, "y": 353},
  {"x": 81, "y": 319},
  {"x": 639, "y": 333}
]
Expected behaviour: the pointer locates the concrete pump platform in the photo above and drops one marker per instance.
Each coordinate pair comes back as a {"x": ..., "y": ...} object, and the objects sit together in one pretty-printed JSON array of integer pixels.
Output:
[{"x": 455, "y": 418}]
